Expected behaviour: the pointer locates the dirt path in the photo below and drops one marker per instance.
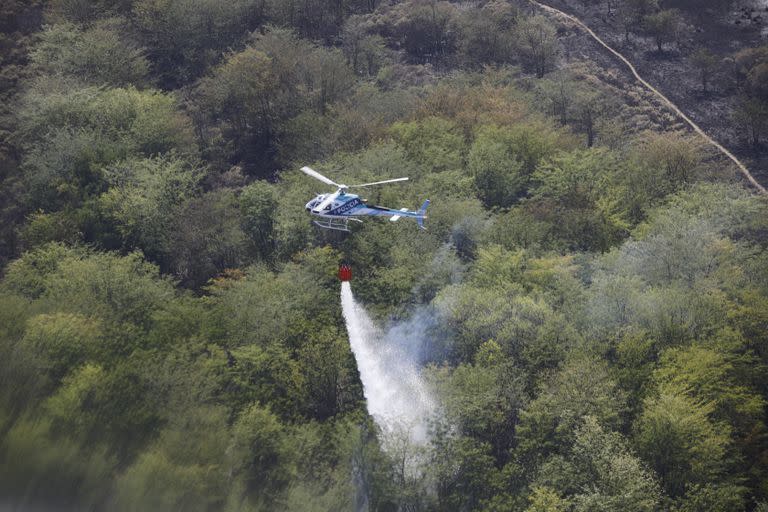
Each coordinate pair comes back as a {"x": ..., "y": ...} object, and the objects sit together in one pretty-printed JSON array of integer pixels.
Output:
[{"x": 663, "y": 98}]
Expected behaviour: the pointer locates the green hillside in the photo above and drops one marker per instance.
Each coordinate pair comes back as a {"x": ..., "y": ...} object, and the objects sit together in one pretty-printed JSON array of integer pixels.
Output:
[{"x": 171, "y": 337}]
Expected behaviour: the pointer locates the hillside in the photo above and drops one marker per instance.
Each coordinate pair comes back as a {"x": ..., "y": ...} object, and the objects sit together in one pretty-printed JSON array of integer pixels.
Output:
[
  {"x": 708, "y": 63},
  {"x": 587, "y": 308}
]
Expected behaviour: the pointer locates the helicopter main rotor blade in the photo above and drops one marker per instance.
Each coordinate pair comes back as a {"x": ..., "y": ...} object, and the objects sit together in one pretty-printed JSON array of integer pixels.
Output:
[
  {"x": 378, "y": 183},
  {"x": 311, "y": 172}
]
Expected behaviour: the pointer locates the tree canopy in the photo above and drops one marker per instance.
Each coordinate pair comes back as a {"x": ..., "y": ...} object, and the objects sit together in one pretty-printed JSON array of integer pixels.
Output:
[{"x": 592, "y": 282}]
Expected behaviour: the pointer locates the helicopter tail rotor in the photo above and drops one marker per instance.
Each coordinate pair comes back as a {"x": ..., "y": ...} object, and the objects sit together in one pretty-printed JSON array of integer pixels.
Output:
[{"x": 421, "y": 214}]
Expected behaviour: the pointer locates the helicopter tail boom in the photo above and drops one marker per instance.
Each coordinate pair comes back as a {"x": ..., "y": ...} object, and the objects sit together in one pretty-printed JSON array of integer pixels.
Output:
[{"x": 395, "y": 215}]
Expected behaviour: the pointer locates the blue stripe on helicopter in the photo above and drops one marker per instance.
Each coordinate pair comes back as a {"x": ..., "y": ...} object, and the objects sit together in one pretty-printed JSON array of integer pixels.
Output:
[
  {"x": 384, "y": 212},
  {"x": 355, "y": 207}
]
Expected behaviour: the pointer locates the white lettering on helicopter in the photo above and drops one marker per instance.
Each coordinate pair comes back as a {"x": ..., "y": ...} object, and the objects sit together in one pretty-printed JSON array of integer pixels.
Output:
[{"x": 345, "y": 207}]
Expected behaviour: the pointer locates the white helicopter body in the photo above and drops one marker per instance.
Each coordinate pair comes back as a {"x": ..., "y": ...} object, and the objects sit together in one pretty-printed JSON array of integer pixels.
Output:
[{"x": 335, "y": 210}]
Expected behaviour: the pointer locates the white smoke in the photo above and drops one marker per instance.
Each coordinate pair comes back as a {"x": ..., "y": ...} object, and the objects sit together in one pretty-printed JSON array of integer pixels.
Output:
[{"x": 397, "y": 396}]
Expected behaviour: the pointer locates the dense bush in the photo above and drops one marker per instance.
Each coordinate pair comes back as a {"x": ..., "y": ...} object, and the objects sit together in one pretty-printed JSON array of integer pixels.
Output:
[{"x": 170, "y": 331}]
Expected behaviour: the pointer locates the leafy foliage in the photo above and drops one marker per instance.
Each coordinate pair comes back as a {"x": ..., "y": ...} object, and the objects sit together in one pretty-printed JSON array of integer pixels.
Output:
[{"x": 593, "y": 302}]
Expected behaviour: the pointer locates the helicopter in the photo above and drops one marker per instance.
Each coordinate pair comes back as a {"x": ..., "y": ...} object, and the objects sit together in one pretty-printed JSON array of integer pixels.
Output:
[{"x": 336, "y": 210}]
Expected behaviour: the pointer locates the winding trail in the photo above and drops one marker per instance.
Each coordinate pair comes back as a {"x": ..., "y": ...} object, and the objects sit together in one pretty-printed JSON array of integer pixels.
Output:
[{"x": 658, "y": 93}]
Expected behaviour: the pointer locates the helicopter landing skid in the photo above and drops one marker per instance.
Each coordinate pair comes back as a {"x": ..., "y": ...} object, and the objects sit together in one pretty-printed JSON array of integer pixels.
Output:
[{"x": 335, "y": 223}]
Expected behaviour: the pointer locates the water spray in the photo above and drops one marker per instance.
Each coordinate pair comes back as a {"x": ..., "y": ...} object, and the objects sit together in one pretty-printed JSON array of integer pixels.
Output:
[{"x": 398, "y": 398}]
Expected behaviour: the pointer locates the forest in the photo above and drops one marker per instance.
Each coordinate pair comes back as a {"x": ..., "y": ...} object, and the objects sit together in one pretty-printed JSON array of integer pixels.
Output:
[{"x": 171, "y": 339}]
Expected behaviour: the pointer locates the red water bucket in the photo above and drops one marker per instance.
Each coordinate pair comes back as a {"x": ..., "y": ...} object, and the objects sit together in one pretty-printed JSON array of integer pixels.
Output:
[{"x": 345, "y": 272}]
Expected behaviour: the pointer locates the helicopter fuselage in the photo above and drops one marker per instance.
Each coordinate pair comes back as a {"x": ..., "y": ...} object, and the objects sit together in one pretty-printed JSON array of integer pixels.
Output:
[
  {"x": 350, "y": 205},
  {"x": 336, "y": 210}
]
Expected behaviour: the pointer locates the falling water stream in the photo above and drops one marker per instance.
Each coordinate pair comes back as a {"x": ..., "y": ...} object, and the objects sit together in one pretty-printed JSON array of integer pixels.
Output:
[{"x": 397, "y": 396}]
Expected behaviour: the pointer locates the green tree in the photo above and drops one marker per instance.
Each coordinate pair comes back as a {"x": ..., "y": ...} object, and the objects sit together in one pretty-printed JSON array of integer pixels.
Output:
[
  {"x": 676, "y": 436},
  {"x": 719, "y": 497},
  {"x": 485, "y": 35},
  {"x": 144, "y": 199},
  {"x": 242, "y": 92},
  {"x": 618, "y": 479},
  {"x": 183, "y": 468},
  {"x": 581, "y": 214},
  {"x": 484, "y": 399},
  {"x": 537, "y": 44},
  {"x": 262, "y": 461},
  {"x": 27, "y": 275},
  {"x": 477, "y": 315},
  {"x": 252, "y": 95},
  {"x": 426, "y": 29},
  {"x": 60, "y": 342},
  {"x": 558, "y": 91},
  {"x": 632, "y": 12},
  {"x": 83, "y": 12},
  {"x": 99, "y": 54},
  {"x": 574, "y": 103},
  {"x": 498, "y": 173},
  {"x": 582, "y": 387},
  {"x": 752, "y": 117},
  {"x": 544, "y": 499},
  {"x": 120, "y": 289},
  {"x": 589, "y": 108},
  {"x": 328, "y": 371},
  {"x": 365, "y": 50},
  {"x": 678, "y": 156},
  {"x": 110, "y": 407},
  {"x": 40, "y": 467},
  {"x": 706, "y": 63},
  {"x": 146, "y": 121},
  {"x": 663, "y": 26},
  {"x": 258, "y": 202},
  {"x": 463, "y": 470},
  {"x": 435, "y": 143},
  {"x": 184, "y": 37},
  {"x": 321, "y": 20},
  {"x": 206, "y": 237},
  {"x": 72, "y": 134},
  {"x": 715, "y": 374},
  {"x": 328, "y": 77}
]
